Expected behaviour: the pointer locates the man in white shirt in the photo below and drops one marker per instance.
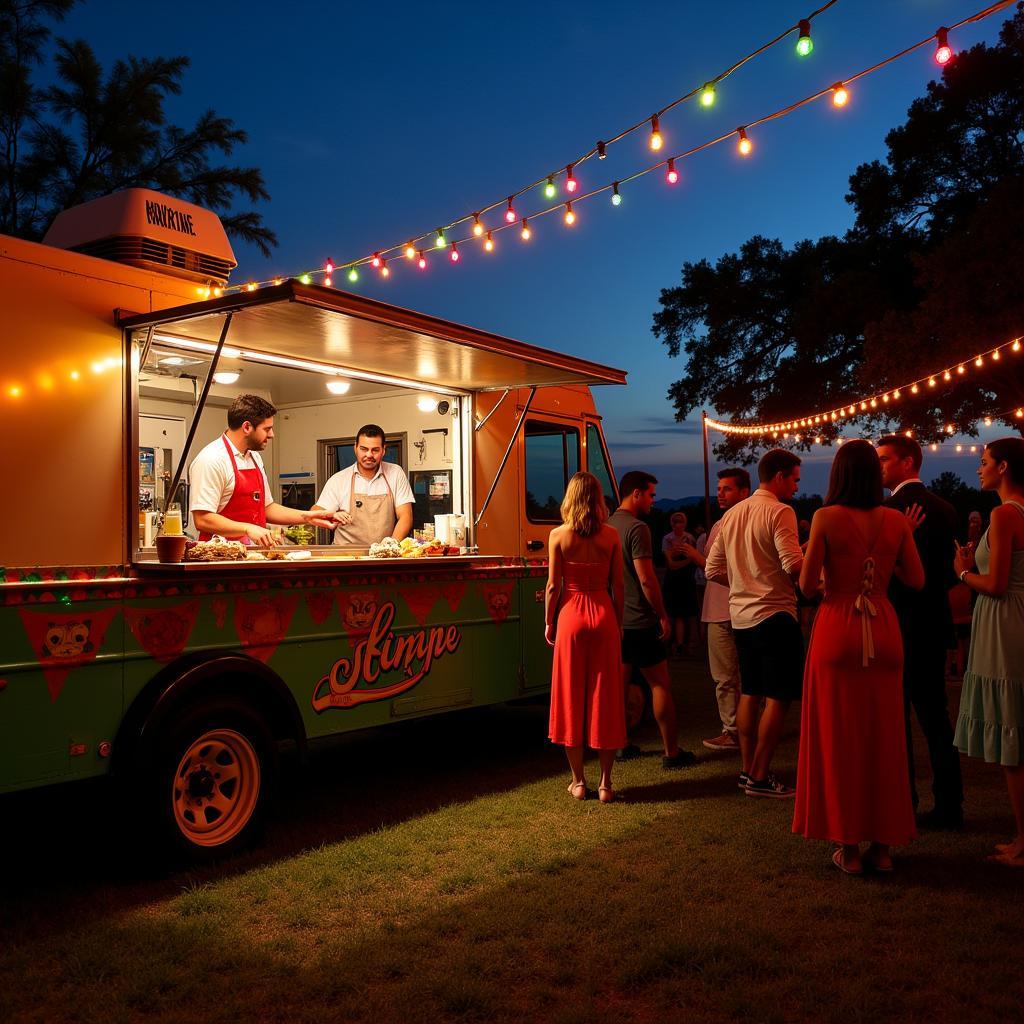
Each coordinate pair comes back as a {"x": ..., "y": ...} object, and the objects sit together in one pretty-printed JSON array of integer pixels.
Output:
[
  {"x": 733, "y": 487},
  {"x": 370, "y": 500},
  {"x": 757, "y": 554},
  {"x": 229, "y": 493}
]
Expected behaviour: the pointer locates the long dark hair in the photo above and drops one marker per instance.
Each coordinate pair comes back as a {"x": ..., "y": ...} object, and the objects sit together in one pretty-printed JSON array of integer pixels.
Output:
[
  {"x": 1011, "y": 451},
  {"x": 856, "y": 477}
]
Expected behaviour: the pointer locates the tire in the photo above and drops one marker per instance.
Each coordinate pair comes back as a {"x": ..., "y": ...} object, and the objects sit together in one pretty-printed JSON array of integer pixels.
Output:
[{"x": 212, "y": 779}]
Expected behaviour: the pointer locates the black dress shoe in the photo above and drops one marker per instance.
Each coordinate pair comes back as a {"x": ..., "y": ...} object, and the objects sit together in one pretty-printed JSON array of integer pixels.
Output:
[
  {"x": 628, "y": 753},
  {"x": 943, "y": 820}
]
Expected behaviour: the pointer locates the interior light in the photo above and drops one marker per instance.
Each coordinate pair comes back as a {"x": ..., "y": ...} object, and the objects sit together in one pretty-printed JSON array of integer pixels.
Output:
[
  {"x": 226, "y": 376},
  {"x": 426, "y": 404},
  {"x": 338, "y": 387}
]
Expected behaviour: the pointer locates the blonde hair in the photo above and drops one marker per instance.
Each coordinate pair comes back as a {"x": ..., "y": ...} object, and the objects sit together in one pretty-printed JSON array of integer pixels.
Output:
[{"x": 583, "y": 507}]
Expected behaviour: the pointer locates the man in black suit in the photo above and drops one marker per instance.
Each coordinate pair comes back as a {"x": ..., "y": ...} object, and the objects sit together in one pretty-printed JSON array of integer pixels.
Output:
[{"x": 927, "y": 623}]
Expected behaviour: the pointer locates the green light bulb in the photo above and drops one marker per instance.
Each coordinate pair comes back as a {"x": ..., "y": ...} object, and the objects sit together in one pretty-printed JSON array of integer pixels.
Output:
[
  {"x": 549, "y": 189},
  {"x": 804, "y": 45},
  {"x": 353, "y": 274},
  {"x": 304, "y": 279},
  {"x": 439, "y": 242},
  {"x": 707, "y": 96}
]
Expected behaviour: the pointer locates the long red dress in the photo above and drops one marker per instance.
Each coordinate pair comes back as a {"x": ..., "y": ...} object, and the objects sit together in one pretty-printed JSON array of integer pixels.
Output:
[
  {"x": 587, "y": 697},
  {"x": 852, "y": 783}
]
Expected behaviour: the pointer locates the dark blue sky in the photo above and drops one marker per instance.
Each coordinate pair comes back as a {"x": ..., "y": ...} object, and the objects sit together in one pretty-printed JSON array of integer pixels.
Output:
[{"x": 372, "y": 123}]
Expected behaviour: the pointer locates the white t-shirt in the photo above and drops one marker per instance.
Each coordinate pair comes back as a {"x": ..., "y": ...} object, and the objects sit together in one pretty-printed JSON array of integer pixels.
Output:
[
  {"x": 337, "y": 492},
  {"x": 211, "y": 476}
]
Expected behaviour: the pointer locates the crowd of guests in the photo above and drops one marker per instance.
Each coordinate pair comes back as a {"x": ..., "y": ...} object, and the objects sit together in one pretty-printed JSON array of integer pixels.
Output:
[{"x": 878, "y": 570}]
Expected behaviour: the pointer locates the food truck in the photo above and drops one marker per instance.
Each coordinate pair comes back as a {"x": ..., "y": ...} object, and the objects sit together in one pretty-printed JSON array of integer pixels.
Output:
[{"x": 184, "y": 681}]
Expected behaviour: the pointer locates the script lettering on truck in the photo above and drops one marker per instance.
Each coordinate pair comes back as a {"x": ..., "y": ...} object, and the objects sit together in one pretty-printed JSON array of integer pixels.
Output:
[
  {"x": 380, "y": 653},
  {"x": 167, "y": 217}
]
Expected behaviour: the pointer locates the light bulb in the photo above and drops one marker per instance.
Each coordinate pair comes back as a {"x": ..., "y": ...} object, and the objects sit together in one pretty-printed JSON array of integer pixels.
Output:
[
  {"x": 338, "y": 387},
  {"x": 840, "y": 95},
  {"x": 385, "y": 270},
  {"x": 671, "y": 175},
  {"x": 454, "y": 256},
  {"x": 656, "y": 141},
  {"x": 328, "y": 282},
  {"x": 375, "y": 262},
  {"x": 942, "y": 50},
  {"x": 489, "y": 243},
  {"x": 570, "y": 217},
  {"x": 439, "y": 241},
  {"x": 616, "y": 198},
  {"x": 329, "y": 266},
  {"x": 744, "y": 145},
  {"x": 478, "y": 228},
  {"x": 947, "y": 375},
  {"x": 571, "y": 184},
  {"x": 422, "y": 261},
  {"x": 707, "y": 95},
  {"x": 426, "y": 404},
  {"x": 931, "y": 382},
  {"x": 510, "y": 213},
  {"x": 525, "y": 233},
  {"x": 602, "y": 151},
  {"x": 302, "y": 280},
  {"x": 804, "y": 44},
  {"x": 549, "y": 188},
  {"x": 410, "y": 251},
  {"x": 353, "y": 274},
  {"x": 980, "y": 361}
]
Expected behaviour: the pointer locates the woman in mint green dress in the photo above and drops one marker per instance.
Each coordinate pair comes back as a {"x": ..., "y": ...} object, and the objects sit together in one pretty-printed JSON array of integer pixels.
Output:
[{"x": 991, "y": 721}]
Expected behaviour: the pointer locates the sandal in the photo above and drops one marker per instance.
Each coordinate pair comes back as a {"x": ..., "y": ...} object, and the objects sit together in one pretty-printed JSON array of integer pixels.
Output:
[
  {"x": 606, "y": 794},
  {"x": 837, "y": 859},
  {"x": 578, "y": 790}
]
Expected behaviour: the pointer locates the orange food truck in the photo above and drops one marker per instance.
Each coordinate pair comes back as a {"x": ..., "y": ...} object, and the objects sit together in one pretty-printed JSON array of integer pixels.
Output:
[{"x": 184, "y": 680}]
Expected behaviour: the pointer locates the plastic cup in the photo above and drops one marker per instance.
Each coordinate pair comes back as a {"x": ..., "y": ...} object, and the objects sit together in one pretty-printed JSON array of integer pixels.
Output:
[{"x": 170, "y": 548}]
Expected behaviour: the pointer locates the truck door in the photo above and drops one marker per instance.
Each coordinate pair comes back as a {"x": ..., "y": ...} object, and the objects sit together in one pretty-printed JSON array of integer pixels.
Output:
[
  {"x": 551, "y": 455},
  {"x": 598, "y": 462}
]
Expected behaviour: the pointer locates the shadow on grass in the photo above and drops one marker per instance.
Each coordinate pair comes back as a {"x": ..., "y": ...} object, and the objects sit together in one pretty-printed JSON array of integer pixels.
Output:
[{"x": 682, "y": 788}]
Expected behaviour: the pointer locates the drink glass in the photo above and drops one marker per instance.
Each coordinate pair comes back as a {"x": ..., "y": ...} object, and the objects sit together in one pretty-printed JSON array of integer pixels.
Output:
[{"x": 172, "y": 520}]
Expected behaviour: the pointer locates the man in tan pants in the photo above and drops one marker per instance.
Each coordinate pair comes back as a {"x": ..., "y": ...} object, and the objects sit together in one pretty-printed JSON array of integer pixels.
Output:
[{"x": 733, "y": 487}]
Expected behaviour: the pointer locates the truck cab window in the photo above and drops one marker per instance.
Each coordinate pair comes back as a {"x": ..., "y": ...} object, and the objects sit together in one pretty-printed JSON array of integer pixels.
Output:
[
  {"x": 597, "y": 463},
  {"x": 552, "y": 456}
]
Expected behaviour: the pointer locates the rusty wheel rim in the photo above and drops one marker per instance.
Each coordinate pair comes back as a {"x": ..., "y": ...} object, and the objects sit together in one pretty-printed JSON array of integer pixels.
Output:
[{"x": 216, "y": 787}]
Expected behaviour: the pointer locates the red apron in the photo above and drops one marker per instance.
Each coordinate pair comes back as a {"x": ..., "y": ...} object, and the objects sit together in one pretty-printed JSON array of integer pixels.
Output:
[{"x": 248, "y": 502}]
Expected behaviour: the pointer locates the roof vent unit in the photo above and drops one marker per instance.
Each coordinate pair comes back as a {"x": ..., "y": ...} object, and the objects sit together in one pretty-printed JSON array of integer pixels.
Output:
[{"x": 149, "y": 230}]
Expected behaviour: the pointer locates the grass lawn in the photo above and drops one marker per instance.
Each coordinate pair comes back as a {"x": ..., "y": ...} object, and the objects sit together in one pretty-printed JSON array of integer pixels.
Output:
[{"x": 438, "y": 871}]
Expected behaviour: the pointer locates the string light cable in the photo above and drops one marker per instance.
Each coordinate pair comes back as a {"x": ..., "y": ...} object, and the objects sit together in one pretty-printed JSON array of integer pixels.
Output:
[
  {"x": 739, "y": 133},
  {"x": 880, "y": 401},
  {"x": 599, "y": 149}
]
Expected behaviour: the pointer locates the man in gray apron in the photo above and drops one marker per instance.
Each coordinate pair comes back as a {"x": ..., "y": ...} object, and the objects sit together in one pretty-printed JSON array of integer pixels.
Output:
[{"x": 370, "y": 500}]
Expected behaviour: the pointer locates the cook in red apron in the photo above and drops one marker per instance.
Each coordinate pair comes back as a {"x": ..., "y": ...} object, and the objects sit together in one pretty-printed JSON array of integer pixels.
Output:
[
  {"x": 248, "y": 500},
  {"x": 373, "y": 516}
]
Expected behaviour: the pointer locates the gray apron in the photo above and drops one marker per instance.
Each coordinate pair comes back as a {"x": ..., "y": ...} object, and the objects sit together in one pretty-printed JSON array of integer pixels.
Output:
[{"x": 373, "y": 517}]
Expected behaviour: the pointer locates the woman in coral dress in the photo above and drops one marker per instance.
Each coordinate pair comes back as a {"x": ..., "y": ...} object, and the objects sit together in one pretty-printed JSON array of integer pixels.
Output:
[
  {"x": 583, "y": 622},
  {"x": 852, "y": 782}
]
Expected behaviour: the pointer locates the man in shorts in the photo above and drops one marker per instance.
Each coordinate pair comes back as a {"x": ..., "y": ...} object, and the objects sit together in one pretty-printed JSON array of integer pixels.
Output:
[
  {"x": 757, "y": 554},
  {"x": 646, "y": 626}
]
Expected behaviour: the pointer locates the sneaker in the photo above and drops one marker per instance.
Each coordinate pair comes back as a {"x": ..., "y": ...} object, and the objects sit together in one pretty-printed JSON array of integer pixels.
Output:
[
  {"x": 628, "y": 753},
  {"x": 724, "y": 744},
  {"x": 743, "y": 780},
  {"x": 680, "y": 759},
  {"x": 769, "y": 787}
]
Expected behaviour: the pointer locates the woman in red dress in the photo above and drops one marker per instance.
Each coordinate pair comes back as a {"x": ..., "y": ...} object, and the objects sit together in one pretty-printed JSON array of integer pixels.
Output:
[
  {"x": 852, "y": 782},
  {"x": 583, "y": 622}
]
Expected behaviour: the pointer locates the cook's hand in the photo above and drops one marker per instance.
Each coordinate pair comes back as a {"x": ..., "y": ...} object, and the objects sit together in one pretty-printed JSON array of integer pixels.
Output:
[
  {"x": 318, "y": 517},
  {"x": 915, "y": 516},
  {"x": 666, "y": 627},
  {"x": 549, "y": 635},
  {"x": 342, "y": 517},
  {"x": 964, "y": 560},
  {"x": 258, "y": 535}
]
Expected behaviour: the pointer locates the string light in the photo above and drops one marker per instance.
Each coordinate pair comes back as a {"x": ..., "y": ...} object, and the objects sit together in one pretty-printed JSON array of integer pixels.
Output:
[
  {"x": 707, "y": 95},
  {"x": 328, "y": 266},
  {"x": 549, "y": 188},
  {"x": 385, "y": 270},
  {"x": 942, "y": 51},
  {"x": 489, "y": 243},
  {"x": 840, "y": 95},
  {"x": 804, "y": 44},
  {"x": 656, "y": 141},
  {"x": 422, "y": 262},
  {"x": 616, "y": 198},
  {"x": 525, "y": 233},
  {"x": 478, "y": 228},
  {"x": 327, "y": 282},
  {"x": 510, "y": 213},
  {"x": 744, "y": 145},
  {"x": 1016, "y": 345},
  {"x": 571, "y": 184},
  {"x": 570, "y": 217},
  {"x": 671, "y": 175},
  {"x": 439, "y": 241},
  {"x": 305, "y": 279},
  {"x": 961, "y": 369},
  {"x": 979, "y": 361},
  {"x": 454, "y": 255},
  {"x": 602, "y": 150},
  {"x": 353, "y": 274}
]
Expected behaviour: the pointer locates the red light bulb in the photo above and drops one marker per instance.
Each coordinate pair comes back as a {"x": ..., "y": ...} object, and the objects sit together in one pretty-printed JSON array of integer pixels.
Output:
[
  {"x": 510, "y": 213},
  {"x": 455, "y": 253},
  {"x": 422, "y": 261},
  {"x": 671, "y": 175},
  {"x": 376, "y": 261},
  {"x": 943, "y": 53},
  {"x": 571, "y": 184}
]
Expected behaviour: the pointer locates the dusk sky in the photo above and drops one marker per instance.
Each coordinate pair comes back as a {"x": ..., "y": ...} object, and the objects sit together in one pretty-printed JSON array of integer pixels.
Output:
[{"x": 374, "y": 123}]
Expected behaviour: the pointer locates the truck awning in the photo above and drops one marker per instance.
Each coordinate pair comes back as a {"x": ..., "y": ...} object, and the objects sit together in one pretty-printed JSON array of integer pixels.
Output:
[{"x": 351, "y": 332}]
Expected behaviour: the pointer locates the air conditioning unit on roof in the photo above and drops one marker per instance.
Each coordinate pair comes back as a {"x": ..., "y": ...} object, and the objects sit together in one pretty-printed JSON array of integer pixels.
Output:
[{"x": 147, "y": 229}]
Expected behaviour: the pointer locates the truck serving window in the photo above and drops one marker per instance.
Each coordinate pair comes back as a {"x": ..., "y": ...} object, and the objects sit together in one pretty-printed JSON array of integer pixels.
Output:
[
  {"x": 552, "y": 456},
  {"x": 597, "y": 463}
]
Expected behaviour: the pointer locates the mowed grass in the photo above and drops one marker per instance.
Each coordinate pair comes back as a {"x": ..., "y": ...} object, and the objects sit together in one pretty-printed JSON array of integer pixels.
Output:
[{"x": 438, "y": 871}]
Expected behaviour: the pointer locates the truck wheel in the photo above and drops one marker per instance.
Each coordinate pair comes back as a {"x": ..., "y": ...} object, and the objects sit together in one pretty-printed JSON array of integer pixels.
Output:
[{"x": 213, "y": 778}]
